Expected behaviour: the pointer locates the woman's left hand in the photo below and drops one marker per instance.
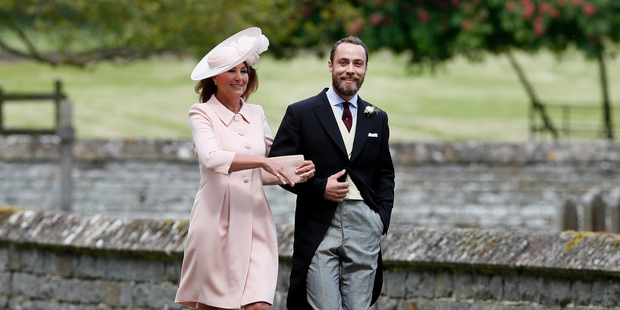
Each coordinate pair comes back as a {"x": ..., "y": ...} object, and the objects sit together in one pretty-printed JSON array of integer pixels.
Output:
[{"x": 306, "y": 169}]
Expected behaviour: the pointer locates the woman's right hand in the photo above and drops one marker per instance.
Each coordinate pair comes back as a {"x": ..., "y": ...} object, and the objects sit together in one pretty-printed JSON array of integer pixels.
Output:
[
  {"x": 306, "y": 169},
  {"x": 278, "y": 171}
]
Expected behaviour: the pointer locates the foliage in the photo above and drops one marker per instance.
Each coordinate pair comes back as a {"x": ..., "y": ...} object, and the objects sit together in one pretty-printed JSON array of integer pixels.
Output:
[
  {"x": 79, "y": 32},
  {"x": 434, "y": 31},
  {"x": 307, "y": 25},
  {"x": 437, "y": 30}
]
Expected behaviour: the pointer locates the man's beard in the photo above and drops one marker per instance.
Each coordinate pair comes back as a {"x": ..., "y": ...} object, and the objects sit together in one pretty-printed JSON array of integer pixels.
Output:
[{"x": 347, "y": 89}]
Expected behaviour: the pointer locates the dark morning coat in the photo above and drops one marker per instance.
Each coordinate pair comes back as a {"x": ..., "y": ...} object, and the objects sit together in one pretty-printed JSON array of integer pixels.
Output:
[{"x": 309, "y": 128}]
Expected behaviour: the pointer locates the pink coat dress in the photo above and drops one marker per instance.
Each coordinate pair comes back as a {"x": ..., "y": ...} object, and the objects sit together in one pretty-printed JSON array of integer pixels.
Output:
[{"x": 231, "y": 254}]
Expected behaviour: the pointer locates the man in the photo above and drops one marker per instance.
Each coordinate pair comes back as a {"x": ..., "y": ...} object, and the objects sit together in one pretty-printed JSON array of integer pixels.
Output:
[{"x": 342, "y": 212}]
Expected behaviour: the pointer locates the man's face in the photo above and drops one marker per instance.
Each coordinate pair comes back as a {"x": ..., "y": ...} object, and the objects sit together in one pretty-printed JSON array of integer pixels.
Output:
[{"x": 348, "y": 69}]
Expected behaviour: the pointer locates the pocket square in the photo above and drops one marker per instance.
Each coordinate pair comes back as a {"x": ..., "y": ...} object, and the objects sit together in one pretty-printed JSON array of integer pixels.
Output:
[{"x": 373, "y": 135}]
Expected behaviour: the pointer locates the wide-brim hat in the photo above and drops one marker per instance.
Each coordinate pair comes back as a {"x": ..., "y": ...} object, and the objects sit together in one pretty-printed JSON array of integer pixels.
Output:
[{"x": 243, "y": 46}]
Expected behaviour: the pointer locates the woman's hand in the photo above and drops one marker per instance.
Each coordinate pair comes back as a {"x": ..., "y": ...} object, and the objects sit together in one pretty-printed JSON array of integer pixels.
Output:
[
  {"x": 306, "y": 169},
  {"x": 279, "y": 171}
]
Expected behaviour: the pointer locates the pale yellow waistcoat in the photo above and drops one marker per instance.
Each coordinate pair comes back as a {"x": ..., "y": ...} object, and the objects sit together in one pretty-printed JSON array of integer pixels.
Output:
[{"x": 348, "y": 138}]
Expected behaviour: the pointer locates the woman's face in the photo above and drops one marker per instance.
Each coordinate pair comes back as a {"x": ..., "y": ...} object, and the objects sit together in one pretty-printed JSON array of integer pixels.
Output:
[{"x": 233, "y": 82}]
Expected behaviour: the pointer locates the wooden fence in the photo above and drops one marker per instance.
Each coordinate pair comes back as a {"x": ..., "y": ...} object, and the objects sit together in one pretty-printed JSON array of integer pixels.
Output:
[
  {"x": 572, "y": 121},
  {"x": 63, "y": 129}
]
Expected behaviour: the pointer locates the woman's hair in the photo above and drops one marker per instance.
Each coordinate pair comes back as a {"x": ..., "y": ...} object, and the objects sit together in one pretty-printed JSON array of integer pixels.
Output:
[{"x": 206, "y": 88}]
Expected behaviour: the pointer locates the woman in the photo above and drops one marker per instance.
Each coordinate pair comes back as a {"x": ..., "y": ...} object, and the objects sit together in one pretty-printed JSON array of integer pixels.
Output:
[{"x": 231, "y": 254}]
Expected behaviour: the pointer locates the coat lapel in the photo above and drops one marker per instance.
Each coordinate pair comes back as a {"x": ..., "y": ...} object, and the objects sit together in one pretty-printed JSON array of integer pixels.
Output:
[
  {"x": 363, "y": 126},
  {"x": 326, "y": 116}
]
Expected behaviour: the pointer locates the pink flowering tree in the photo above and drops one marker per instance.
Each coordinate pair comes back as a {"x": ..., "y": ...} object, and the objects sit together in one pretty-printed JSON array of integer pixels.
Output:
[{"x": 437, "y": 30}]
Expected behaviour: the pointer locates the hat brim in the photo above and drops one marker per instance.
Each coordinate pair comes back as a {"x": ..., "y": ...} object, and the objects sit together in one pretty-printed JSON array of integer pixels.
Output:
[{"x": 202, "y": 69}]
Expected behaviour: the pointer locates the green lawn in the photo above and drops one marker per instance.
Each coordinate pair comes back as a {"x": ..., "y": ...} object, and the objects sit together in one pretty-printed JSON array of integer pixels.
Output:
[{"x": 461, "y": 101}]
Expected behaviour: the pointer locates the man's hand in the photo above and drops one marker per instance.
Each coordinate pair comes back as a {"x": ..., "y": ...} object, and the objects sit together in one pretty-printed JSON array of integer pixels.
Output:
[{"x": 335, "y": 190}]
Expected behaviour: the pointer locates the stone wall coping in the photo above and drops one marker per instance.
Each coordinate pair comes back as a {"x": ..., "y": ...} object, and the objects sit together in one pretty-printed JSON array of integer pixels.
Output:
[
  {"x": 569, "y": 252},
  {"x": 23, "y": 147},
  {"x": 505, "y": 152},
  {"x": 92, "y": 233}
]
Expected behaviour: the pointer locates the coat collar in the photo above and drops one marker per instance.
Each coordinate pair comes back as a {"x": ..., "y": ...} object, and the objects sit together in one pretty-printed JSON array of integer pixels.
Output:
[
  {"x": 224, "y": 114},
  {"x": 335, "y": 99},
  {"x": 325, "y": 114}
]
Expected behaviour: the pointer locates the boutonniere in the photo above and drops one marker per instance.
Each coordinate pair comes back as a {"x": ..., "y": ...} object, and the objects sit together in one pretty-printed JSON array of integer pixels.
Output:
[{"x": 371, "y": 109}]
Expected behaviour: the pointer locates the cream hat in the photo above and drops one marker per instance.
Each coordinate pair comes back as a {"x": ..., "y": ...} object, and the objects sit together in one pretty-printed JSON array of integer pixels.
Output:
[{"x": 244, "y": 46}]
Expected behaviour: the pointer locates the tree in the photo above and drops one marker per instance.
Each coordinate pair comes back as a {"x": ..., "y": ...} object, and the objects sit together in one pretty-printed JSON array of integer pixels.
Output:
[
  {"x": 435, "y": 31},
  {"x": 82, "y": 32}
]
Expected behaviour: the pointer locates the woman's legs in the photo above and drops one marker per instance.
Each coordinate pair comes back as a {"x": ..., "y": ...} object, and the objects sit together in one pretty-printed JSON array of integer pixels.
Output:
[
  {"x": 257, "y": 306},
  {"x": 254, "y": 306}
]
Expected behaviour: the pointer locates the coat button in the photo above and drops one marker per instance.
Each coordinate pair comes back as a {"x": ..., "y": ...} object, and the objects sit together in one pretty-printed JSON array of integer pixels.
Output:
[
  {"x": 247, "y": 146},
  {"x": 236, "y": 118},
  {"x": 246, "y": 180},
  {"x": 241, "y": 133}
]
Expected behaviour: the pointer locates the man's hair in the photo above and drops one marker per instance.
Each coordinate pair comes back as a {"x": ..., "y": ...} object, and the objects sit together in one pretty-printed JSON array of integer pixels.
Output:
[{"x": 352, "y": 40}]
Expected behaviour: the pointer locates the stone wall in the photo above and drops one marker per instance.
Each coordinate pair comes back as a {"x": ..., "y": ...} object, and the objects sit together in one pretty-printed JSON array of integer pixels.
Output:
[
  {"x": 54, "y": 260},
  {"x": 465, "y": 184}
]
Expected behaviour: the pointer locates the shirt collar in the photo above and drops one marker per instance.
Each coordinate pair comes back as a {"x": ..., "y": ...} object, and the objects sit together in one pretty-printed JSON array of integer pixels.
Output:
[
  {"x": 226, "y": 115},
  {"x": 335, "y": 99}
]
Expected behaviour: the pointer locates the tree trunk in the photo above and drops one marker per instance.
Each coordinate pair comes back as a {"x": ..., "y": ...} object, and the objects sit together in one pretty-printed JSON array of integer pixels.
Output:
[
  {"x": 607, "y": 122},
  {"x": 536, "y": 104}
]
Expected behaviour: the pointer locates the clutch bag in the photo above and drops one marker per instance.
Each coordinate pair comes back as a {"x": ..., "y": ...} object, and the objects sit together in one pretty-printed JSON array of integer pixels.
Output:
[{"x": 290, "y": 163}]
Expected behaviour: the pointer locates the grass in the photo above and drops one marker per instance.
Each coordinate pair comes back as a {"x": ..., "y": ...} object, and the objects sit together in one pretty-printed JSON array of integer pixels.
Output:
[{"x": 461, "y": 101}]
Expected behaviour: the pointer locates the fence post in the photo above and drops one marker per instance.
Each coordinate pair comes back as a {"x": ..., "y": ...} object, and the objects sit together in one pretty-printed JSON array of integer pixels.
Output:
[{"x": 66, "y": 133}]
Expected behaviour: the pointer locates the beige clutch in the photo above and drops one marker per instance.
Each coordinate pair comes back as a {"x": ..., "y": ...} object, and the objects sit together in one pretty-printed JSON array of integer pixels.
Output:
[{"x": 289, "y": 163}]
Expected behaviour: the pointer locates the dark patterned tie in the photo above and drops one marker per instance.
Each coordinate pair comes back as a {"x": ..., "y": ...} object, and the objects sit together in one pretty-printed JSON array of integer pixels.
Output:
[{"x": 346, "y": 115}]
